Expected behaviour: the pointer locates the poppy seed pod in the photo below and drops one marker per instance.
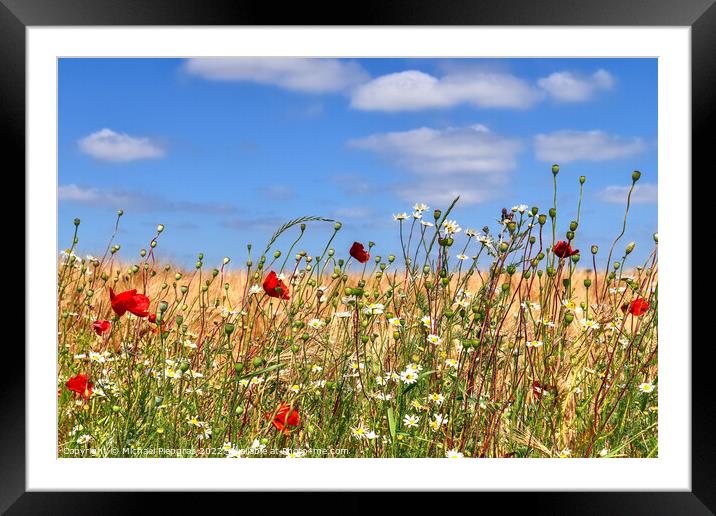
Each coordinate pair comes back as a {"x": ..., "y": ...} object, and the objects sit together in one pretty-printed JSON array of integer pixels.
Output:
[
  {"x": 595, "y": 249},
  {"x": 575, "y": 258},
  {"x": 542, "y": 219},
  {"x": 573, "y": 225},
  {"x": 143, "y": 253},
  {"x": 635, "y": 176},
  {"x": 229, "y": 328},
  {"x": 504, "y": 247},
  {"x": 120, "y": 213},
  {"x": 630, "y": 247},
  {"x": 587, "y": 283},
  {"x": 160, "y": 228},
  {"x": 257, "y": 362},
  {"x": 582, "y": 180},
  {"x": 555, "y": 169},
  {"x": 337, "y": 226},
  {"x": 534, "y": 210},
  {"x": 553, "y": 212},
  {"x": 511, "y": 226},
  {"x": 656, "y": 237},
  {"x": 77, "y": 222},
  {"x": 570, "y": 235}
]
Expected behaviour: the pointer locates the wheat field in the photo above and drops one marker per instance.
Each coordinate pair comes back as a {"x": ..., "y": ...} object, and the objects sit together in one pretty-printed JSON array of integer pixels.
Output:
[{"x": 461, "y": 344}]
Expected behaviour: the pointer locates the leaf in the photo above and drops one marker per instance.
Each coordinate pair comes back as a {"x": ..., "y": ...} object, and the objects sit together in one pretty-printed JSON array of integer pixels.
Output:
[
  {"x": 262, "y": 371},
  {"x": 391, "y": 422}
]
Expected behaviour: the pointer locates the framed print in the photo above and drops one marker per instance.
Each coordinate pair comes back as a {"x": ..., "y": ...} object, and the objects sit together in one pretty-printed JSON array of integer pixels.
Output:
[{"x": 427, "y": 235}]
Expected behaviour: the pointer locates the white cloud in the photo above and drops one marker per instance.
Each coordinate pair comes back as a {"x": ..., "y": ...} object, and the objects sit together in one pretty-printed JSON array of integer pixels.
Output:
[
  {"x": 568, "y": 87},
  {"x": 466, "y": 161},
  {"x": 413, "y": 90},
  {"x": 473, "y": 149},
  {"x": 138, "y": 201},
  {"x": 317, "y": 75},
  {"x": 106, "y": 145},
  {"x": 566, "y": 146},
  {"x": 643, "y": 193}
]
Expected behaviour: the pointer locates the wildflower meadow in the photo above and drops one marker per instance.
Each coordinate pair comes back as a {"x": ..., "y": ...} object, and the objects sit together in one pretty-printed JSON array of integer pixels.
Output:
[{"x": 518, "y": 339}]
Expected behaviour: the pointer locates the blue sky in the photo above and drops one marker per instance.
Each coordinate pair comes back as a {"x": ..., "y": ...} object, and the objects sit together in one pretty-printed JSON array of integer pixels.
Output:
[{"x": 224, "y": 151}]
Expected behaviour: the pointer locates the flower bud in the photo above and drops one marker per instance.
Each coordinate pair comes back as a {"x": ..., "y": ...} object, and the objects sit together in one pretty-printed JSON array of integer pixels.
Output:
[
  {"x": 337, "y": 226},
  {"x": 163, "y": 305},
  {"x": 552, "y": 212},
  {"x": 573, "y": 225},
  {"x": 77, "y": 222},
  {"x": 120, "y": 213},
  {"x": 630, "y": 247},
  {"x": 587, "y": 283},
  {"x": 542, "y": 219},
  {"x": 656, "y": 237},
  {"x": 635, "y": 176},
  {"x": 555, "y": 169},
  {"x": 595, "y": 249},
  {"x": 229, "y": 328},
  {"x": 436, "y": 214},
  {"x": 160, "y": 228},
  {"x": 582, "y": 179}
]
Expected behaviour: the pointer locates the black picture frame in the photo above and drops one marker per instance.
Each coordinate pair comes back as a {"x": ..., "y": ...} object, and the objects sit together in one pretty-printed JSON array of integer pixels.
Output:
[{"x": 700, "y": 15}]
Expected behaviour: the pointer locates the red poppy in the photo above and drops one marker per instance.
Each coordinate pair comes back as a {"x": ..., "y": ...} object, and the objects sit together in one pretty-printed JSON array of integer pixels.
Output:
[
  {"x": 638, "y": 307},
  {"x": 285, "y": 417},
  {"x": 274, "y": 287},
  {"x": 129, "y": 301},
  {"x": 564, "y": 250},
  {"x": 101, "y": 327},
  {"x": 80, "y": 384},
  {"x": 153, "y": 319},
  {"x": 359, "y": 253}
]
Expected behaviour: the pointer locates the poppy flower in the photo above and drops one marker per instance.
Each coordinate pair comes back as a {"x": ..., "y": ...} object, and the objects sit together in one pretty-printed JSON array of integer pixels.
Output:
[
  {"x": 564, "y": 250},
  {"x": 359, "y": 253},
  {"x": 285, "y": 417},
  {"x": 638, "y": 307},
  {"x": 81, "y": 385},
  {"x": 274, "y": 287},
  {"x": 129, "y": 301},
  {"x": 101, "y": 327}
]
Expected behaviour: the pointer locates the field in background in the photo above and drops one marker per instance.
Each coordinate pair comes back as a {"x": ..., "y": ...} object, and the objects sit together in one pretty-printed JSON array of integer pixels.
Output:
[{"x": 416, "y": 354}]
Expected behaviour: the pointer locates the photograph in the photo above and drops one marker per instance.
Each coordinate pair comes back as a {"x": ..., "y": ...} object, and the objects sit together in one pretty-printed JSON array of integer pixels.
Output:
[{"x": 357, "y": 257}]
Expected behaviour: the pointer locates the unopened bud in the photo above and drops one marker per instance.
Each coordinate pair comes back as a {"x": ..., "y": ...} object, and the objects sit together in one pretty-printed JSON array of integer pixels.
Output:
[{"x": 555, "y": 169}]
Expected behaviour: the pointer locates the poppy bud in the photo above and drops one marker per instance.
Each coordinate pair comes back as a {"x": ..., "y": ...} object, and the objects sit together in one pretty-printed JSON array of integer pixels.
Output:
[
  {"x": 570, "y": 235},
  {"x": 257, "y": 361},
  {"x": 77, "y": 222},
  {"x": 391, "y": 258},
  {"x": 120, "y": 213},
  {"x": 551, "y": 272},
  {"x": 573, "y": 225},
  {"x": 532, "y": 240},
  {"x": 587, "y": 283},
  {"x": 198, "y": 265},
  {"x": 504, "y": 247},
  {"x": 511, "y": 226},
  {"x": 630, "y": 247},
  {"x": 337, "y": 226},
  {"x": 143, "y": 253},
  {"x": 511, "y": 269},
  {"x": 555, "y": 169},
  {"x": 595, "y": 249},
  {"x": 535, "y": 209},
  {"x": 582, "y": 179},
  {"x": 617, "y": 265},
  {"x": 527, "y": 275},
  {"x": 575, "y": 258},
  {"x": 635, "y": 176},
  {"x": 183, "y": 289},
  {"x": 568, "y": 317},
  {"x": 566, "y": 282},
  {"x": 552, "y": 212},
  {"x": 238, "y": 367},
  {"x": 160, "y": 228},
  {"x": 542, "y": 219}
]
